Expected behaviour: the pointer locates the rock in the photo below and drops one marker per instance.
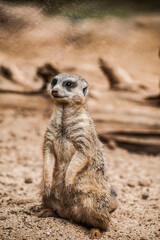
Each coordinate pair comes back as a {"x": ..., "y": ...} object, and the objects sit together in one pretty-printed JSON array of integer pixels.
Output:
[
  {"x": 131, "y": 184},
  {"x": 144, "y": 182},
  {"x": 145, "y": 196},
  {"x": 2, "y": 218},
  {"x": 28, "y": 180}
]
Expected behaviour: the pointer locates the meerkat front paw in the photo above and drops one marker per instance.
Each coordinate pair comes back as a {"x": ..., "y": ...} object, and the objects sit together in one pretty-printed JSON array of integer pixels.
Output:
[
  {"x": 47, "y": 212},
  {"x": 69, "y": 188}
]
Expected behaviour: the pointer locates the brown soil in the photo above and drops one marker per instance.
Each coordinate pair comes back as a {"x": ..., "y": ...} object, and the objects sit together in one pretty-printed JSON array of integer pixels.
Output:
[{"x": 134, "y": 171}]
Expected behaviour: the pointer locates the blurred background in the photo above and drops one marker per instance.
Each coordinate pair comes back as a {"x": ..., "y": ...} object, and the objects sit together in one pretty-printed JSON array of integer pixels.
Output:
[
  {"x": 115, "y": 46},
  {"x": 76, "y": 9}
]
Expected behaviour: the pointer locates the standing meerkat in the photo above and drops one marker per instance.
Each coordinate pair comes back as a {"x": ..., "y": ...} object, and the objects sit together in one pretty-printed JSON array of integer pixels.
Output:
[{"x": 75, "y": 182}]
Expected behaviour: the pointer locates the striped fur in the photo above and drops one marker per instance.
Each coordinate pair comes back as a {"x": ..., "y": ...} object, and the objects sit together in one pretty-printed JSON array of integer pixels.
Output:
[{"x": 75, "y": 179}]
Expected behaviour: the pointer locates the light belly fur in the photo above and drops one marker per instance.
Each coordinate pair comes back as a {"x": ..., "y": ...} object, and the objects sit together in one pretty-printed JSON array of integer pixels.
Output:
[{"x": 62, "y": 162}]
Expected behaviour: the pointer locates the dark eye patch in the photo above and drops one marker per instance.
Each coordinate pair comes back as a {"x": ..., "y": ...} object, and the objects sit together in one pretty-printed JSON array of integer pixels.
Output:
[
  {"x": 54, "y": 82},
  {"x": 69, "y": 84},
  {"x": 85, "y": 91}
]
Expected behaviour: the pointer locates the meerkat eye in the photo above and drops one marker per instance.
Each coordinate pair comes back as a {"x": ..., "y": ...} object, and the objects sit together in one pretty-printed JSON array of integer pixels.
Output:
[
  {"x": 54, "y": 81},
  {"x": 69, "y": 84}
]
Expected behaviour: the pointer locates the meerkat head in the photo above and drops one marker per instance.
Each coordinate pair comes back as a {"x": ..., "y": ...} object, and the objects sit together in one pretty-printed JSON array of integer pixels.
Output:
[{"x": 68, "y": 88}]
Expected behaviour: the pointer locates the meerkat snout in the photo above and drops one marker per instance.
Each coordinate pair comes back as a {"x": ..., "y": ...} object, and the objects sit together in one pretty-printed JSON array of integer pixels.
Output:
[
  {"x": 54, "y": 92},
  {"x": 68, "y": 88}
]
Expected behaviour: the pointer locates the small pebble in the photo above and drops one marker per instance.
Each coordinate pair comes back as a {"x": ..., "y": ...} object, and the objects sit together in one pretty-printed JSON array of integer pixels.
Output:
[
  {"x": 131, "y": 184},
  {"x": 143, "y": 182},
  {"x": 28, "y": 180},
  {"x": 145, "y": 195},
  {"x": 2, "y": 218},
  {"x": 48, "y": 233}
]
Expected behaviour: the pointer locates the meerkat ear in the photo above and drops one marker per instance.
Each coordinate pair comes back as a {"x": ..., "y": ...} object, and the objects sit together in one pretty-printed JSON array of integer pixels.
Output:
[{"x": 85, "y": 90}]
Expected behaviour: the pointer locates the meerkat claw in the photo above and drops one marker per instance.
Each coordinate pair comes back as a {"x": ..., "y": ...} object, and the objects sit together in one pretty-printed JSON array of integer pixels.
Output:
[
  {"x": 69, "y": 188},
  {"x": 46, "y": 213},
  {"x": 94, "y": 233}
]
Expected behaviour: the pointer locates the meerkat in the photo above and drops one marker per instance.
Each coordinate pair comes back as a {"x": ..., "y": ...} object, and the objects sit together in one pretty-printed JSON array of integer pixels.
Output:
[{"x": 75, "y": 182}]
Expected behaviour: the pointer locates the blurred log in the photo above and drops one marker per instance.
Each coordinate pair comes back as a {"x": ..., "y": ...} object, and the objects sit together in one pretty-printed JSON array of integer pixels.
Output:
[
  {"x": 36, "y": 92},
  {"x": 137, "y": 142},
  {"x": 118, "y": 78},
  {"x": 128, "y": 125},
  {"x": 154, "y": 100},
  {"x": 7, "y": 73},
  {"x": 45, "y": 72}
]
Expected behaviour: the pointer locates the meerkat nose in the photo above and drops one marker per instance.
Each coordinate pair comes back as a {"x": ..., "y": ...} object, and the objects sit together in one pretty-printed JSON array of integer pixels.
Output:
[{"x": 54, "y": 91}]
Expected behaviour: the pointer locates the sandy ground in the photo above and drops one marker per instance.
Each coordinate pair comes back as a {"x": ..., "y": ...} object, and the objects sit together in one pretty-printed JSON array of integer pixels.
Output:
[{"x": 131, "y": 43}]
